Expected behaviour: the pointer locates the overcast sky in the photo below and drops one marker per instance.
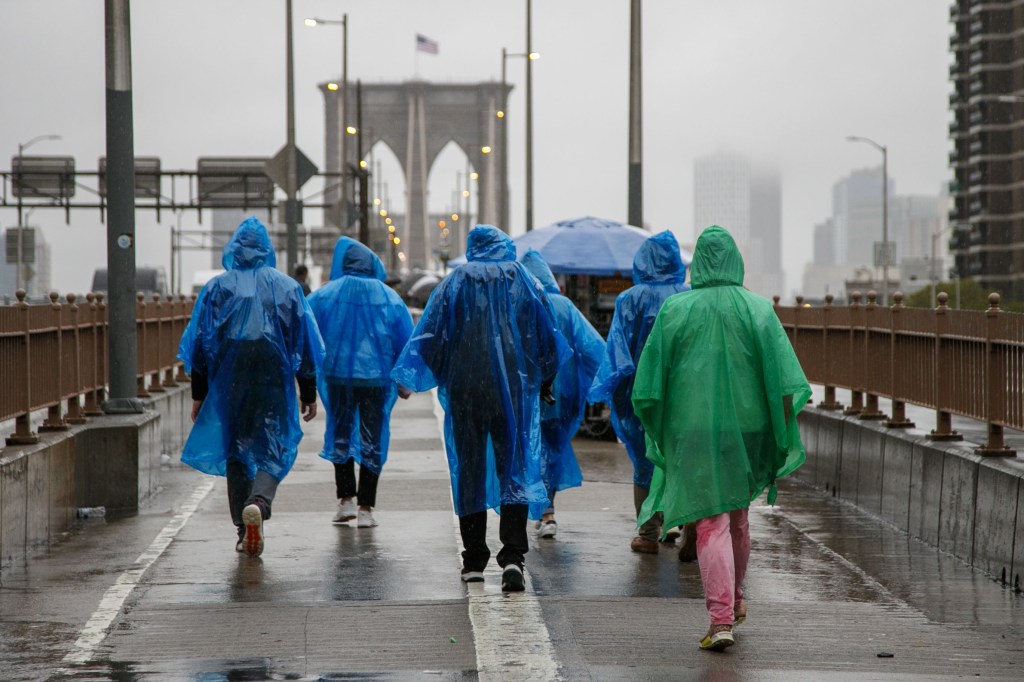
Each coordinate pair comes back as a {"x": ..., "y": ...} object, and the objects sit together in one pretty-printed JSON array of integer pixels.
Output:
[{"x": 782, "y": 81}]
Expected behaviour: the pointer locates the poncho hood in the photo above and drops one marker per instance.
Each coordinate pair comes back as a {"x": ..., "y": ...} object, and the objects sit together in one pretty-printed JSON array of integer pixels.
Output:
[
  {"x": 249, "y": 247},
  {"x": 352, "y": 258},
  {"x": 536, "y": 266},
  {"x": 658, "y": 260},
  {"x": 488, "y": 243},
  {"x": 716, "y": 260}
]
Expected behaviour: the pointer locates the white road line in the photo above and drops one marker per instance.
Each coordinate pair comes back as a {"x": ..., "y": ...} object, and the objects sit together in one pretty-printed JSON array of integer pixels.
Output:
[
  {"x": 512, "y": 640},
  {"x": 96, "y": 628}
]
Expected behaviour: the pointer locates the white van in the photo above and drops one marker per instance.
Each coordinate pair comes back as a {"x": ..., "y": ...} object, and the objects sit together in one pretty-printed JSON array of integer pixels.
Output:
[{"x": 201, "y": 277}]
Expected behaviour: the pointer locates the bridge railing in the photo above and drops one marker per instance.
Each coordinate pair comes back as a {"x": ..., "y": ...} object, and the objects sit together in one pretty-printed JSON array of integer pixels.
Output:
[
  {"x": 54, "y": 356},
  {"x": 957, "y": 362}
]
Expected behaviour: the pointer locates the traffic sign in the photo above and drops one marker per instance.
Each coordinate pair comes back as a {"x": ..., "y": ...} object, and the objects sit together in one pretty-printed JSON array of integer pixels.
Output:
[
  {"x": 277, "y": 168},
  {"x": 885, "y": 254}
]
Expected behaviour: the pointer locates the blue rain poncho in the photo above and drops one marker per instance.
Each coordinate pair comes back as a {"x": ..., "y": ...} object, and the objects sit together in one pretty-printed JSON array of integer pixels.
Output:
[
  {"x": 487, "y": 341},
  {"x": 251, "y": 334},
  {"x": 560, "y": 421},
  {"x": 658, "y": 272},
  {"x": 365, "y": 325}
]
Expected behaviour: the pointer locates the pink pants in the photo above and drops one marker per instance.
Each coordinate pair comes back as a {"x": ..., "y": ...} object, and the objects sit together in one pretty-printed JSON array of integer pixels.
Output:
[{"x": 723, "y": 549}]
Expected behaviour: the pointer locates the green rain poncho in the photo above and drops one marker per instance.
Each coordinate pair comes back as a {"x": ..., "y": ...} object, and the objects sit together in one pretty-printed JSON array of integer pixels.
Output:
[{"x": 713, "y": 387}]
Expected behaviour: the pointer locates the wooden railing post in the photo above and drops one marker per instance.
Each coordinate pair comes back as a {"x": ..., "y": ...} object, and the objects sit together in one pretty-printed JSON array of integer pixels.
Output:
[
  {"x": 181, "y": 376},
  {"x": 92, "y": 405},
  {"x": 943, "y": 418},
  {"x": 830, "y": 402},
  {"x": 856, "y": 368},
  {"x": 898, "y": 420},
  {"x": 168, "y": 321},
  {"x": 140, "y": 346},
  {"x": 23, "y": 434},
  {"x": 871, "y": 410},
  {"x": 155, "y": 385},
  {"x": 54, "y": 418},
  {"x": 74, "y": 414},
  {"x": 995, "y": 386}
]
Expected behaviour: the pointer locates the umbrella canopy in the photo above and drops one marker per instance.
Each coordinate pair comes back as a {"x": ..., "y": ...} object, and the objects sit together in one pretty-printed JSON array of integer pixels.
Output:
[{"x": 585, "y": 246}]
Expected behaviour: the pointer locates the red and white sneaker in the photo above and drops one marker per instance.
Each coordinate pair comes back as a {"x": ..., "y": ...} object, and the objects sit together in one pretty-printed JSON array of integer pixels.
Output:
[{"x": 252, "y": 517}]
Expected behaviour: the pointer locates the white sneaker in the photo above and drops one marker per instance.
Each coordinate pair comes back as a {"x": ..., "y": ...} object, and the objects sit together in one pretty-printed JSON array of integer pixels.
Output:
[
  {"x": 346, "y": 511},
  {"x": 547, "y": 529},
  {"x": 366, "y": 519},
  {"x": 252, "y": 517}
]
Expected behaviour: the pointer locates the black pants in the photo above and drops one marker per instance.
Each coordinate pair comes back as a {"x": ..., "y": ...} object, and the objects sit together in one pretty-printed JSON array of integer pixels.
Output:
[
  {"x": 345, "y": 402},
  {"x": 511, "y": 532},
  {"x": 345, "y": 482},
  {"x": 243, "y": 491}
]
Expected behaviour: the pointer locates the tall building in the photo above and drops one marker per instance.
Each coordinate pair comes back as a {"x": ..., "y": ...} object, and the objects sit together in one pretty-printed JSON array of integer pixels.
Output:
[
  {"x": 36, "y": 257},
  {"x": 747, "y": 201},
  {"x": 987, "y": 132}
]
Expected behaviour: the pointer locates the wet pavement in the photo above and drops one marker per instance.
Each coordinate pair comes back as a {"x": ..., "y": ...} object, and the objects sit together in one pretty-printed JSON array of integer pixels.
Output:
[{"x": 164, "y": 596}]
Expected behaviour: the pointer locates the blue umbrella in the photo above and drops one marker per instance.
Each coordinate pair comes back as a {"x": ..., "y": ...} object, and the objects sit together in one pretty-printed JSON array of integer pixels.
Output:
[{"x": 585, "y": 246}]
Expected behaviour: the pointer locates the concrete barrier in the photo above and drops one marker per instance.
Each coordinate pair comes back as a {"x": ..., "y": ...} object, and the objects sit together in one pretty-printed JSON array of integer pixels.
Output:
[
  {"x": 942, "y": 493},
  {"x": 110, "y": 461}
]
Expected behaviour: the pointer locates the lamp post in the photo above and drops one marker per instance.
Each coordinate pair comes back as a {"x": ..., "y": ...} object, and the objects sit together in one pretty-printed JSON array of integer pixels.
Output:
[
  {"x": 313, "y": 22},
  {"x": 635, "y": 176},
  {"x": 933, "y": 276},
  {"x": 502, "y": 114},
  {"x": 885, "y": 210},
  {"x": 529, "y": 118},
  {"x": 19, "y": 281}
]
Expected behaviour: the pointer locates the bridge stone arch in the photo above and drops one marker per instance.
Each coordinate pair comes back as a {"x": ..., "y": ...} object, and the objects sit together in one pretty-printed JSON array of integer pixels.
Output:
[{"x": 416, "y": 120}]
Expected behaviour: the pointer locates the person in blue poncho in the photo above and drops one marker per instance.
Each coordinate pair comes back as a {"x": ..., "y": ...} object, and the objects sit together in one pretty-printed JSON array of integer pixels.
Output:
[
  {"x": 560, "y": 421},
  {"x": 251, "y": 336},
  {"x": 487, "y": 341},
  {"x": 365, "y": 325},
  {"x": 658, "y": 272}
]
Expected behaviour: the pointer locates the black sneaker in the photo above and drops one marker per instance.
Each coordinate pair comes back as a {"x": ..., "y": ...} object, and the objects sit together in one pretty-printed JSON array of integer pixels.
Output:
[
  {"x": 470, "y": 576},
  {"x": 512, "y": 579}
]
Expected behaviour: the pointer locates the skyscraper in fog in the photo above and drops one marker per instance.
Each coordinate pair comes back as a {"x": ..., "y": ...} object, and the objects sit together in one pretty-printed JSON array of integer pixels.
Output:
[
  {"x": 729, "y": 191},
  {"x": 988, "y": 140}
]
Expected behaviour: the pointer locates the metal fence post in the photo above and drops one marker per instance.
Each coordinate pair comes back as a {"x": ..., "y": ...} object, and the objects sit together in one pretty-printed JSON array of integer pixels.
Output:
[
  {"x": 54, "y": 419},
  {"x": 898, "y": 420},
  {"x": 74, "y": 414},
  {"x": 856, "y": 368},
  {"x": 871, "y": 410},
  {"x": 943, "y": 418},
  {"x": 830, "y": 402},
  {"x": 995, "y": 386},
  {"x": 23, "y": 434}
]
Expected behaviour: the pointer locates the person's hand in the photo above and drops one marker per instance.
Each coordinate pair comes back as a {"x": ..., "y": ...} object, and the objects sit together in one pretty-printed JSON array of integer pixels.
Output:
[
  {"x": 404, "y": 393},
  {"x": 196, "y": 404},
  {"x": 308, "y": 411}
]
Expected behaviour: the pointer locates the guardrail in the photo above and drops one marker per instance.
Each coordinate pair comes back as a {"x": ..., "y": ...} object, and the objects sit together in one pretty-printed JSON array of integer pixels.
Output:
[
  {"x": 54, "y": 355},
  {"x": 968, "y": 363}
]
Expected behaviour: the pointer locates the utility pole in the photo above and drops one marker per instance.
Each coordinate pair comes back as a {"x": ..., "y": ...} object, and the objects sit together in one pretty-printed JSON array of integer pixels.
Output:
[
  {"x": 121, "y": 350},
  {"x": 636, "y": 185},
  {"x": 363, "y": 173},
  {"x": 529, "y": 118},
  {"x": 291, "y": 208}
]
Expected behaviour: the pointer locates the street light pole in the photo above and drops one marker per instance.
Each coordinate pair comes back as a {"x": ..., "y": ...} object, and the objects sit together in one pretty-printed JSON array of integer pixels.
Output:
[
  {"x": 885, "y": 211},
  {"x": 636, "y": 184},
  {"x": 19, "y": 281},
  {"x": 313, "y": 22},
  {"x": 121, "y": 348},
  {"x": 503, "y": 216},
  {"x": 529, "y": 117},
  {"x": 291, "y": 156}
]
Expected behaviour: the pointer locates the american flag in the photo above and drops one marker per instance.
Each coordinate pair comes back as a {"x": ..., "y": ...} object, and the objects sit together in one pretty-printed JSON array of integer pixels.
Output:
[{"x": 425, "y": 44}]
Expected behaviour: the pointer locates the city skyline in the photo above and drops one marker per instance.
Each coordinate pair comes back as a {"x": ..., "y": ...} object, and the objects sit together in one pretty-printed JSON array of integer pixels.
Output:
[{"x": 785, "y": 83}]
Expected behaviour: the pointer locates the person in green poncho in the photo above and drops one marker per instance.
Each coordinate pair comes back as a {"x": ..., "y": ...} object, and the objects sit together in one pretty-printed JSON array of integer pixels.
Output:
[{"x": 717, "y": 389}]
